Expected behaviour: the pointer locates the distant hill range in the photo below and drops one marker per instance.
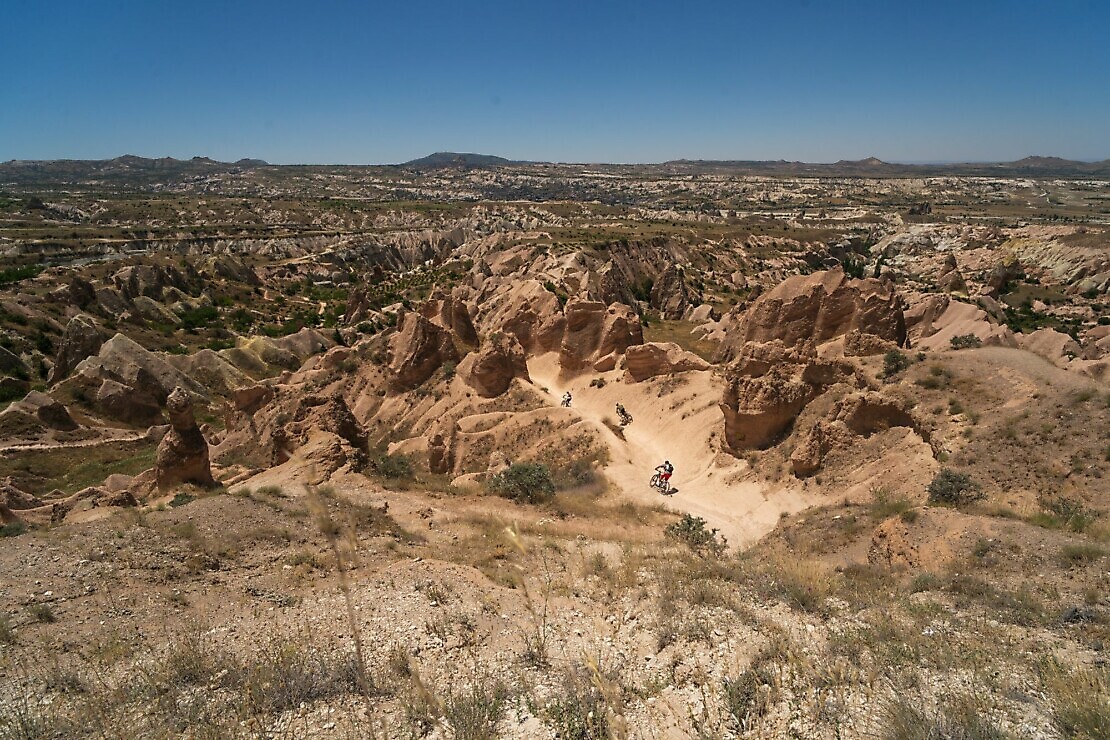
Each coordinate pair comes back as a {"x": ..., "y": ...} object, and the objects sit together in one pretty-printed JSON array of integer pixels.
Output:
[
  {"x": 131, "y": 171},
  {"x": 124, "y": 170},
  {"x": 455, "y": 160},
  {"x": 873, "y": 167}
]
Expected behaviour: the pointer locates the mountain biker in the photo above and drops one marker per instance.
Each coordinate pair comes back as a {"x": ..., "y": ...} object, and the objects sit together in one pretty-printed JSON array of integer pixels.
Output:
[
  {"x": 621, "y": 413},
  {"x": 665, "y": 471},
  {"x": 566, "y": 399}
]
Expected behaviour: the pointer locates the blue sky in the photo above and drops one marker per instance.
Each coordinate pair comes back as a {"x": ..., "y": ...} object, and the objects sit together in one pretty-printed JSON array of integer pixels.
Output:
[{"x": 379, "y": 82}]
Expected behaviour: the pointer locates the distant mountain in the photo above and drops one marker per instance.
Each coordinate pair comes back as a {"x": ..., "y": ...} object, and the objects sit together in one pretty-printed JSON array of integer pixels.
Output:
[
  {"x": 456, "y": 160},
  {"x": 121, "y": 171},
  {"x": 874, "y": 167},
  {"x": 130, "y": 171},
  {"x": 868, "y": 162}
]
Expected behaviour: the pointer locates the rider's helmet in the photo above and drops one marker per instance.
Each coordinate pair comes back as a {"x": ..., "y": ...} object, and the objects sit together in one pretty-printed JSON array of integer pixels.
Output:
[{"x": 666, "y": 462}]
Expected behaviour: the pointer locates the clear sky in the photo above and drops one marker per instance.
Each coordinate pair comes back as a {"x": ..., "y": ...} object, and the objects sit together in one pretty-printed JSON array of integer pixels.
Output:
[{"x": 299, "y": 81}]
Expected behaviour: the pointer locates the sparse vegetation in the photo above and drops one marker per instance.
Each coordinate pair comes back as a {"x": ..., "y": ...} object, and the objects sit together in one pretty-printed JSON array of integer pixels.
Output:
[
  {"x": 693, "y": 532},
  {"x": 395, "y": 467},
  {"x": 965, "y": 341},
  {"x": 42, "y": 613},
  {"x": 528, "y": 483},
  {"x": 894, "y": 362},
  {"x": 954, "y": 488}
]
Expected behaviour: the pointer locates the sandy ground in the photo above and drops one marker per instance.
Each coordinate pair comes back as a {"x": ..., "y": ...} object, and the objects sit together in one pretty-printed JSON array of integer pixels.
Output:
[{"x": 681, "y": 426}]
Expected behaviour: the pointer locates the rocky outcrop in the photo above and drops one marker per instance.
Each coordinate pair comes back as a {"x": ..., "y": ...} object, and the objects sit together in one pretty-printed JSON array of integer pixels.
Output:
[
  {"x": 594, "y": 330},
  {"x": 149, "y": 309},
  {"x": 613, "y": 284},
  {"x": 526, "y": 310},
  {"x": 124, "y": 403},
  {"x": 809, "y": 453},
  {"x": 670, "y": 294},
  {"x": 645, "y": 361},
  {"x": 182, "y": 455},
  {"x": 77, "y": 292},
  {"x": 252, "y": 397},
  {"x": 859, "y": 344},
  {"x": 937, "y": 319},
  {"x": 440, "y": 460},
  {"x": 148, "y": 280},
  {"x": 14, "y": 499},
  {"x": 18, "y": 506},
  {"x": 868, "y": 413},
  {"x": 302, "y": 344},
  {"x": 491, "y": 370},
  {"x": 82, "y": 338},
  {"x": 1056, "y": 347},
  {"x": 212, "y": 370},
  {"x": 768, "y": 386},
  {"x": 854, "y": 416},
  {"x": 321, "y": 428},
  {"x": 330, "y": 414},
  {"x": 892, "y": 546},
  {"x": 450, "y": 312},
  {"x": 949, "y": 279},
  {"x": 10, "y": 364},
  {"x": 1002, "y": 275},
  {"x": 46, "y": 410},
  {"x": 92, "y": 497},
  {"x": 817, "y": 308},
  {"x": 417, "y": 350},
  {"x": 124, "y": 361}
]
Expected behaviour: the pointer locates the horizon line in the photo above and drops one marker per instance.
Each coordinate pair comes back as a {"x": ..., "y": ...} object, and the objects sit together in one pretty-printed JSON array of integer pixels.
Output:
[{"x": 511, "y": 160}]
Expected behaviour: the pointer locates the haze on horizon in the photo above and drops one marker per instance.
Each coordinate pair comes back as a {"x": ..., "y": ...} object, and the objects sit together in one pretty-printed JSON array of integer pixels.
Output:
[{"x": 353, "y": 83}]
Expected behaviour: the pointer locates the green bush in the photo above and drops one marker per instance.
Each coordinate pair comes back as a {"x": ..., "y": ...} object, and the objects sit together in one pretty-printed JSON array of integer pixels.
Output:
[
  {"x": 11, "y": 393},
  {"x": 894, "y": 362},
  {"x": 692, "y": 532},
  {"x": 528, "y": 483},
  {"x": 950, "y": 487},
  {"x": 15, "y": 274},
  {"x": 201, "y": 316},
  {"x": 12, "y": 530},
  {"x": 181, "y": 498},
  {"x": 398, "y": 467},
  {"x": 965, "y": 341}
]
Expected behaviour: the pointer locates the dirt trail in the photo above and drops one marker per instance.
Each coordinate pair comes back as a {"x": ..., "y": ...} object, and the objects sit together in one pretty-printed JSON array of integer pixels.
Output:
[
  {"x": 680, "y": 426},
  {"x": 40, "y": 446}
]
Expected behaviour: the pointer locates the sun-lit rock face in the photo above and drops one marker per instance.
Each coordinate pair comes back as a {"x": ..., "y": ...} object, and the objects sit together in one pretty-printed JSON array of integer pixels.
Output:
[
  {"x": 594, "y": 330},
  {"x": 817, "y": 308},
  {"x": 418, "y": 349},
  {"x": 645, "y": 361},
  {"x": 490, "y": 371},
  {"x": 768, "y": 385}
]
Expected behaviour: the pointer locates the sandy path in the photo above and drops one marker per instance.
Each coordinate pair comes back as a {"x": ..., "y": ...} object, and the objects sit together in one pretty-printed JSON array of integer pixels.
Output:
[{"x": 680, "y": 427}]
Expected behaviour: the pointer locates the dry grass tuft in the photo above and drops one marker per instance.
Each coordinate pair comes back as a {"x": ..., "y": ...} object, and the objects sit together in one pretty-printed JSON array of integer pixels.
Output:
[{"x": 1080, "y": 699}]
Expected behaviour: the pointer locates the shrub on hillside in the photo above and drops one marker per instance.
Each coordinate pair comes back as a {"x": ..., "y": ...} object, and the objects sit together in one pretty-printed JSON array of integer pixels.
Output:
[
  {"x": 528, "y": 483},
  {"x": 393, "y": 466},
  {"x": 691, "y": 531},
  {"x": 965, "y": 341},
  {"x": 894, "y": 362},
  {"x": 950, "y": 487}
]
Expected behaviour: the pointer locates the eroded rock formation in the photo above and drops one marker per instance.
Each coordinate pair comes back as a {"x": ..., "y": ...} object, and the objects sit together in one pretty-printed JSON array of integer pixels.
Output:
[
  {"x": 182, "y": 455},
  {"x": 767, "y": 387},
  {"x": 816, "y": 308},
  {"x": 82, "y": 338},
  {"x": 491, "y": 370},
  {"x": 594, "y": 330},
  {"x": 643, "y": 361},
  {"x": 417, "y": 350}
]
